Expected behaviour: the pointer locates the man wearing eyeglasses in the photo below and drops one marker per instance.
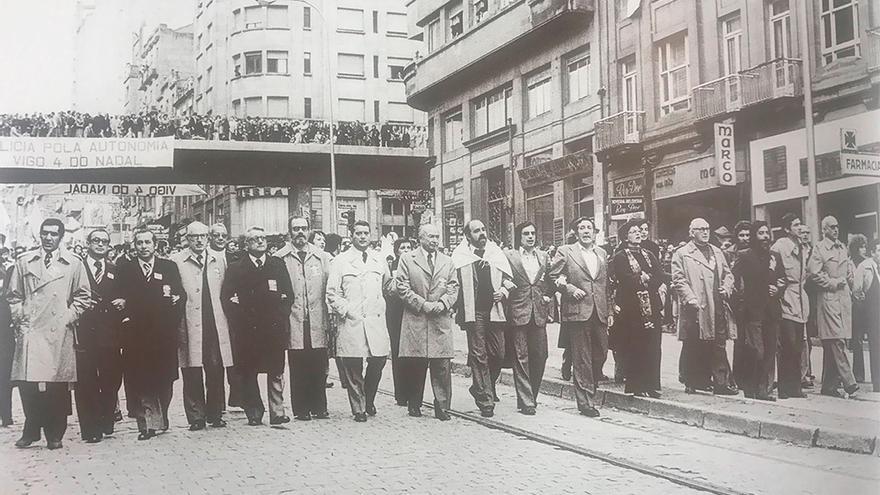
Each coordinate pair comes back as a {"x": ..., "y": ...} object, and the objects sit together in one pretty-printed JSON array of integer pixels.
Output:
[
  {"x": 832, "y": 273},
  {"x": 703, "y": 281},
  {"x": 99, "y": 359}
]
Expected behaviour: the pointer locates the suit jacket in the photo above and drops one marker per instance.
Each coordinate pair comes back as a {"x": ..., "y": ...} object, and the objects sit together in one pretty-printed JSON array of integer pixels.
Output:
[
  {"x": 568, "y": 271},
  {"x": 46, "y": 304},
  {"x": 754, "y": 273},
  {"x": 526, "y": 300},
  {"x": 421, "y": 334},
  {"x": 309, "y": 287},
  {"x": 191, "y": 326},
  {"x": 259, "y": 320},
  {"x": 99, "y": 325},
  {"x": 149, "y": 327}
]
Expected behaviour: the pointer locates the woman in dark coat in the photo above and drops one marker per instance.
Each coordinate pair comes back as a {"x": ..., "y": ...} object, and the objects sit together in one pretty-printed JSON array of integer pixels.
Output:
[{"x": 636, "y": 333}]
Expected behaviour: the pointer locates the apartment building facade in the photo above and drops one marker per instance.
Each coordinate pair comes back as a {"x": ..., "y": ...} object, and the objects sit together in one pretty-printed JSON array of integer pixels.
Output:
[{"x": 160, "y": 61}]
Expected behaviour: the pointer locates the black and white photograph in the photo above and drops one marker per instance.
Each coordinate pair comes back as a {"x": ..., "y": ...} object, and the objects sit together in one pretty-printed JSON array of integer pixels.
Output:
[{"x": 603, "y": 247}]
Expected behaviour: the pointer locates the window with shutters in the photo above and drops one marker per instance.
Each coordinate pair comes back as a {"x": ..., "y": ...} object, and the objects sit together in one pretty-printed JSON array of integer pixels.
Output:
[
  {"x": 307, "y": 63},
  {"x": 453, "y": 131},
  {"x": 351, "y": 20},
  {"x": 253, "y": 107},
  {"x": 672, "y": 64},
  {"x": 538, "y": 93},
  {"x": 350, "y": 64},
  {"x": 840, "y": 29},
  {"x": 277, "y": 16},
  {"x": 396, "y": 24},
  {"x": 577, "y": 75},
  {"x": 491, "y": 111},
  {"x": 253, "y": 62},
  {"x": 276, "y": 62},
  {"x": 277, "y": 106},
  {"x": 253, "y": 17},
  {"x": 352, "y": 109},
  {"x": 775, "y": 169}
]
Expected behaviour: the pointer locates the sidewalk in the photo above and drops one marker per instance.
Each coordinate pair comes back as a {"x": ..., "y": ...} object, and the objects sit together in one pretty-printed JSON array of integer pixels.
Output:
[{"x": 816, "y": 421}]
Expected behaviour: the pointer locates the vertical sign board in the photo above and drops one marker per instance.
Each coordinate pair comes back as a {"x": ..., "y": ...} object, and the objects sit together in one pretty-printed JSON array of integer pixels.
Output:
[{"x": 725, "y": 164}]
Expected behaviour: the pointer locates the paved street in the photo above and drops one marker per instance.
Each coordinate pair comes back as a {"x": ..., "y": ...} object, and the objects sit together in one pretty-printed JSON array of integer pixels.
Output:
[{"x": 394, "y": 453}]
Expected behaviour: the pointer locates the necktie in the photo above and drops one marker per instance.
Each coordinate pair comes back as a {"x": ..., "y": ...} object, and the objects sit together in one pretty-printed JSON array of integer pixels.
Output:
[
  {"x": 365, "y": 256},
  {"x": 302, "y": 256},
  {"x": 200, "y": 261},
  {"x": 48, "y": 259},
  {"x": 259, "y": 262},
  {"x": 431, "y": 261},
  {"x": 148, "y": 270},
  {"x": 99, "y": 270}
]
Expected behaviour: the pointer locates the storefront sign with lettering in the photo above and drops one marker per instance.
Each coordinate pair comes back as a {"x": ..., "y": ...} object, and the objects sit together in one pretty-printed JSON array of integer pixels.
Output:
[
  {"x": 560, "y": 168},
  {"x": 725, "y": 162}
]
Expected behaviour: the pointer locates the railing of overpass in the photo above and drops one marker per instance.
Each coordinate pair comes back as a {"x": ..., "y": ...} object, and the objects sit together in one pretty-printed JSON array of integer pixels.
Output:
[{"x": 213, "y": 127}]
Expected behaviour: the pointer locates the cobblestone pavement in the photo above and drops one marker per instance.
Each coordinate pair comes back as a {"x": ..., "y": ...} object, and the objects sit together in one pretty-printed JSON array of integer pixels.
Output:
[{"x": 392, "y": 453}]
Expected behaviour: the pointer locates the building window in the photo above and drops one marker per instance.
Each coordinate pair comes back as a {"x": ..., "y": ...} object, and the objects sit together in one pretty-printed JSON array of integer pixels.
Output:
[
  {"x": 376, "y": 66},
  {"x": 780, "y": 26},
  {"x": 375, "y": 21},
  {"x": 276, "y": 62},
  {"x": 453, "y": 131},
  {"x": 277, "y": 106},
  {"x": 538, "y": 158},
  {"x": 840, "y": 27},
  {"x": 350, "y": 19},
  {"x": 538, "y": 94},
  {"x": 307, "y": 63},
  {"x": 399, "y": 111},
  {"x": 375, "y": 110},
  {"x": 539, "y": 209},
  {"x": 350, "y": 64},
  {"x": 432, "y": 35},
  {"x": 629, "y": 84},
  {"x": 456, "y": 21},
  {"x": 253, "y": 107},
  {"x": 352, "y": 110},
  {"x": 236, "y": 108},
  {"x": 497, "y": 207},
  {"x": 775, "y": 169},
  {"x": 253, "y": 17},
  {"x": 307, "y": 18},
  {"x": 396, "y": 24},
  {"x": 732, "y": 31},
  {"x": 307, "y": 107},
  {"x": 395, "y": 68},
  {"x": 481, "y": 10},
  {"x": 392, "y": 206},
  {"x": 236, "y": 20},
  {"x": 236, "y": 65},
  {"x": 583, "y": 198},
  {"x": 253, "y": 62},
  {"x": 672, "y": 56},
  {"x": 277, "y": 16},
  {"x": 208, "y": 81},
  {"x": 491, "y": 111},
  {"x": 578, "y": 75}
]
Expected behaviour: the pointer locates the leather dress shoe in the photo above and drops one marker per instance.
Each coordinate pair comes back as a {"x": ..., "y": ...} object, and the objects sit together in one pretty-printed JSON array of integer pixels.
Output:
[
  {"x": 415, "y": 412},
  {"x": 487, "y": 412},
  {"x": 303, "y": 417},
  {"x": 321, "y": 415},
  {"x": 768, "y": 398},
  {"x": 117, "y": 416},
  {"x": 328, "y": 385},
  {"x": 25, "y": 442},
  {"x": 218, "y": 424},
  {"x": 689, "y": 390},
  {"x": 371, "y": 410},
  {"x": 441, "y": 415},
  {"x": 566, "y": 375},
  {"x": 654, "y": 394},
  {"x": 725, "y": 391},
  {"x": 401, "y": 402},
  {"x": 109, "y": 429},
  {"x": 254, "y": 422},
  {"x": 852, "y": 389},
  {"x": 590, "y": 412},
  {"x": 146, "y": 435},
  {"x": 95, "y": 439},
  {"x": 53, "y": 444},
  {"x": 280, "y": 420},
  {"x": 528, "y": 411},
  {"x": 799, "y": 395},
  {"x": 360, "y": 417},
  {"x": 8, "y": 421},
  {"x": 196, "y": 425},
  {"x": 834, "y": 393}
]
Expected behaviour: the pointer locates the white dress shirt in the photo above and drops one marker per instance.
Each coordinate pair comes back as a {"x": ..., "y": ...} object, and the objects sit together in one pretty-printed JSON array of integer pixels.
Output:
[
  {"x": 254, "y": 260},
  {"x": 590, "y": 258},
  {"x": 530, "y": 263},
  {"x": 90, "y": 263}
]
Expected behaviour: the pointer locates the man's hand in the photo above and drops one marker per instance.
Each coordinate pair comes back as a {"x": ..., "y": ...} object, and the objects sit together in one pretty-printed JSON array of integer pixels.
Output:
[
  {"x": 693, "y": 303},
  {"x": 576, "y": 293},
  {"x": 773, "y": 291},
  {"x": 498, "y": 295},
  {"x": 174, "y": 299},
  {"x": 234, "y": 298},
  {"x": 616, "y": 309},
  {"x": 546, "y": 299},
  {"x": 119, "y": 304}
]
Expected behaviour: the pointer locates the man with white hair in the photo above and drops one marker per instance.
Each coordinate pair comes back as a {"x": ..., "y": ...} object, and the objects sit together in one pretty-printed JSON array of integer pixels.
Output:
[
  {"x": 830, "y": 269},
  {"x": 703, "y": 281},
  {"x": 204, "y": 346}
]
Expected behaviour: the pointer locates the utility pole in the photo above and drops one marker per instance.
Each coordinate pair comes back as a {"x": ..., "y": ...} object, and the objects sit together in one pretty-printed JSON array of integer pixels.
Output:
[{"x": 811, "y": 213}]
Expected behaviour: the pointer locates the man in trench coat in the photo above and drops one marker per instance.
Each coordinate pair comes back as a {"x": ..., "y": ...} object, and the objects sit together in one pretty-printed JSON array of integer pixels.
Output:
[
  {"x": 204, "y": 345},
  {"x": 257, "y": 294},
  {"x": 152, "y": 297},
  {"x": 358, "y": 279},
  {"x": 704, "y": 283},
  {"x": 48, "y": 291},
  {"x": 832, "y": 273},
  {"x": 427, "y": 283}
]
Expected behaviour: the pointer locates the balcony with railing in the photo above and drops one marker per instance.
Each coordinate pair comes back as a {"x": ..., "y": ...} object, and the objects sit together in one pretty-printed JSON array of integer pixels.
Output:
[
  {"x": 621, "y": 129},
  {"x": 872, "y": 49},
  {"x": 490, "y": 38},
  {"x": 780, "y": 78}
]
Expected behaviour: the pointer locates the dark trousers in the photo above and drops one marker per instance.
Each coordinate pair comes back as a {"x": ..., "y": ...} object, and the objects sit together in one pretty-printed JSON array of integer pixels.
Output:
[
  {"x": 530, "y": 357},
  {"x": 874, "y": 356},
  {"x": 397, "y": 375},
  {"x": 703, "y": 363},
  {"x": 234, "y": 377},
  {"x": 858, "y": 362},
  {"x": 836, "y": 371},
  {"x": 791, "y": 339},
  {"x": 44, "y": 410},
  {"x": 204, "y": 392},
  {"x": 641, "y": 360},
  {"x": 151, "y": 406},
  {"x": 6, "y": 355},
  {"x": 759, "y": 347},
  {"x": 252, "y": 400},
  {"x": 441, "y": 381},
  {"x": 362, "y": 389},
  {"x": 589, "y": 350},
  {"x": 99, "y": 375},
  {"x": 485, "y": 358},
  {"x": 806, "y": 362},
  {"x": 308, "y": 376}
]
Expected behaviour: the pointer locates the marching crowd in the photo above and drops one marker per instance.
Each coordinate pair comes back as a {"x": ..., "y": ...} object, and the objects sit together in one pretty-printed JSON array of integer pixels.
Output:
[
  {"x": 211, "y": 315},
  {"x": 212, "y": 127}
]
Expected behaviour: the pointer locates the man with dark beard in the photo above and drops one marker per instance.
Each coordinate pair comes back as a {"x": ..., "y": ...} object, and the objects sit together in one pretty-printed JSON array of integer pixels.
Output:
[{"x": 757, "y": 274}]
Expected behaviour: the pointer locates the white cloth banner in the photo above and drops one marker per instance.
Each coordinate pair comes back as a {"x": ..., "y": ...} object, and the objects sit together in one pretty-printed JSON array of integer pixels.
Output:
[
  {"x": 120, "y": 189},
  {"x": 85, "y": 153}
]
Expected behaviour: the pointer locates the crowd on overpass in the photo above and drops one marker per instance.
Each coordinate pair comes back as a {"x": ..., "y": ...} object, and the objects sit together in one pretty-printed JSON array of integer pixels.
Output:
[{"x": 212, "y": 127}]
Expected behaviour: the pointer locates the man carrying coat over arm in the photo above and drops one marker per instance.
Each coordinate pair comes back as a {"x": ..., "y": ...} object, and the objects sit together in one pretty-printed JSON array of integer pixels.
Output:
[
  {"x": 427, "y": 285},
  {"x": 48, "y": 291}
]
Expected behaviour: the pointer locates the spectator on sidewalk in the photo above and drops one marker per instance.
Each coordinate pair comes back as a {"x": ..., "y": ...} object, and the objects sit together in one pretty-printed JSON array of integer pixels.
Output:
[
  {"x": 866, "y": 288},
  {"x": 393, "y": 317},
  {"x": 812, "y": 331},
  {"x": 703, "y": 282},
  {"x": 795, "y": 305},
  {"x": 742, "y": 231},
  {"x": 7, "y": 349},
  {"x": 636, "y": 333},
  {"x": 858, "y": 252},
  {"x": 832, "y": 273}
]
